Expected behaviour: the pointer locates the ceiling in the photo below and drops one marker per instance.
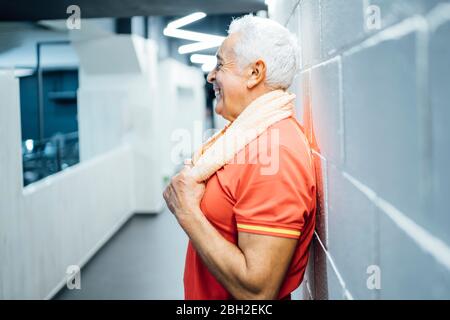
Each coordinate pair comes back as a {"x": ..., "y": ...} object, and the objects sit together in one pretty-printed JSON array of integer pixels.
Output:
[{"x": 32, "y": 10}]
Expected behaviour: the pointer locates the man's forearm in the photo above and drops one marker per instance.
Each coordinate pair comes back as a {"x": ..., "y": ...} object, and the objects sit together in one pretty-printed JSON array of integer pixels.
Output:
[{"x": 223, "y": 258}]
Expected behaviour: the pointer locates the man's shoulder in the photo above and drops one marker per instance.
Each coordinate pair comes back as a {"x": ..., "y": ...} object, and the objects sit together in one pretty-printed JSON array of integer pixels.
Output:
[
  {"x": 289, "y": 137},
  {"x": 284, "y": 138}
]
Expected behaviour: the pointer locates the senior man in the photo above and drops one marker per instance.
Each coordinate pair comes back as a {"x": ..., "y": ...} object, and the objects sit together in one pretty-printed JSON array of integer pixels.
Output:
[{"x": 247, "y": 200}]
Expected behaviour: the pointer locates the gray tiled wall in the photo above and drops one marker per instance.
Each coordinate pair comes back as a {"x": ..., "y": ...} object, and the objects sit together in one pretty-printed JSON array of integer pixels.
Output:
[{"x": 379, "y": 101}]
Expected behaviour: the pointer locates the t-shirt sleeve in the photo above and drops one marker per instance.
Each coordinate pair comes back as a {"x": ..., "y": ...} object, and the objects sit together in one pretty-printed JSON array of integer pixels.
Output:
[{"x": 275, "y": 202}]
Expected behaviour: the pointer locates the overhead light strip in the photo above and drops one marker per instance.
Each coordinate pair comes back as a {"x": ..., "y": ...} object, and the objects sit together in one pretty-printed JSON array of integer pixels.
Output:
[
  {"x": 186, "y": 20},
  {"x": 198, "y": 46},
  {"x": 203, "y": 40},
  {"x": 191, "y": 35},
  {"x": 208, "y": 61},
  {"x": 203, "y": 58}
]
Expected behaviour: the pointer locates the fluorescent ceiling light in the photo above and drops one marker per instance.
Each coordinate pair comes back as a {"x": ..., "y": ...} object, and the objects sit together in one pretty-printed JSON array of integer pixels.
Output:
[
  {"x": 198, "y": 46},
  {"x": 205, "y": 40},
  {"x": 207, "y": 67},
  {"x": 191, "y": 35},
  {"x": 203, "y": 58},
  {"x": 186, "y": 20},
  {"x": 208, "y": 62}
]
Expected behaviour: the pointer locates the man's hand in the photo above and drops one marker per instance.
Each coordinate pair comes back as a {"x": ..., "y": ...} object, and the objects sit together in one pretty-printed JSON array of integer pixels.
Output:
[{"x": 183, "y": 194}]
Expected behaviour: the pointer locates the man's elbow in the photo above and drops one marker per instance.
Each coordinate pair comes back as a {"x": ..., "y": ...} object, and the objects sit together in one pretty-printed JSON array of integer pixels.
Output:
[
  {"x": 262, "y": 292},
  {"x": 265, "y": 295},
  {"x": 256, "y": 296}
]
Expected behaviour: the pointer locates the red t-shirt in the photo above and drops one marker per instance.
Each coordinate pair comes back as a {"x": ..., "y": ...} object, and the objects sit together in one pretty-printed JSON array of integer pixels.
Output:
[{"x": 269, "y": 188}]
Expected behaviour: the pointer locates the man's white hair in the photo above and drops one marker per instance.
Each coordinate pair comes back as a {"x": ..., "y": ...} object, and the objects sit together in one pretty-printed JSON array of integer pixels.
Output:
[{"x": 265, "y": 39}]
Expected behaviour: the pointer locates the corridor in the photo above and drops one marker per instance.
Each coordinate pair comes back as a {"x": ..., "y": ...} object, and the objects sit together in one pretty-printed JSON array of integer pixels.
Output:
[{"x": 143, "y": 260}]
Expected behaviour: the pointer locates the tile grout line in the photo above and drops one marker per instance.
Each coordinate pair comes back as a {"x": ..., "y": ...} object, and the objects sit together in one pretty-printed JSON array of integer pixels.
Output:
[
  {"x": 429, "y": 243},
  {"x": 347, "y": 294}
]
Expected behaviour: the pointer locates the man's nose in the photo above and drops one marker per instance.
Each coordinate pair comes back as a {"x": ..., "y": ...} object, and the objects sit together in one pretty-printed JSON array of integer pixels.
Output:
[{"x": 211, "y": 76}]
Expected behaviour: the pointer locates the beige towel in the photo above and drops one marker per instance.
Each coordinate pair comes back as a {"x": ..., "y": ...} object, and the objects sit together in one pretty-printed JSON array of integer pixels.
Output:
[{"x": 256, "y": 118}]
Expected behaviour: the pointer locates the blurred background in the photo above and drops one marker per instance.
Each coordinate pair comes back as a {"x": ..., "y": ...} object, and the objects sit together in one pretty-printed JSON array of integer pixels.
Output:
[{"x": 100, "y": 101}]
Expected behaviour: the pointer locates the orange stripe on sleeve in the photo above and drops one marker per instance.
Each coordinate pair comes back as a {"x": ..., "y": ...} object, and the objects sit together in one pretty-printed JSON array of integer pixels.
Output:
[{"x": 268, "y": 229}]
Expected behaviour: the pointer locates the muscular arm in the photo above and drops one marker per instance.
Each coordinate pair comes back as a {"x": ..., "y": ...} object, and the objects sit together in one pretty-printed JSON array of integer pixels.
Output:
[{"x": 254, "y": 269}]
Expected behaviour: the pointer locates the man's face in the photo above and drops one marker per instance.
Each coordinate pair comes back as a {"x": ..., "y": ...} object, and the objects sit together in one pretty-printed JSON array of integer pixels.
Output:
[{"x": 229, "y": 84}]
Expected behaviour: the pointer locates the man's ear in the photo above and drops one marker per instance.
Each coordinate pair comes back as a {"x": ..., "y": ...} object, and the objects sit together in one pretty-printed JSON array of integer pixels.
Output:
[{"x": 257, "y": 74}]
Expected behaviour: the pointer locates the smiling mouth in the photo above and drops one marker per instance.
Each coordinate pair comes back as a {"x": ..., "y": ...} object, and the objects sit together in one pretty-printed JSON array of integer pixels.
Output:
[{"x": 217, "y": 93}]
